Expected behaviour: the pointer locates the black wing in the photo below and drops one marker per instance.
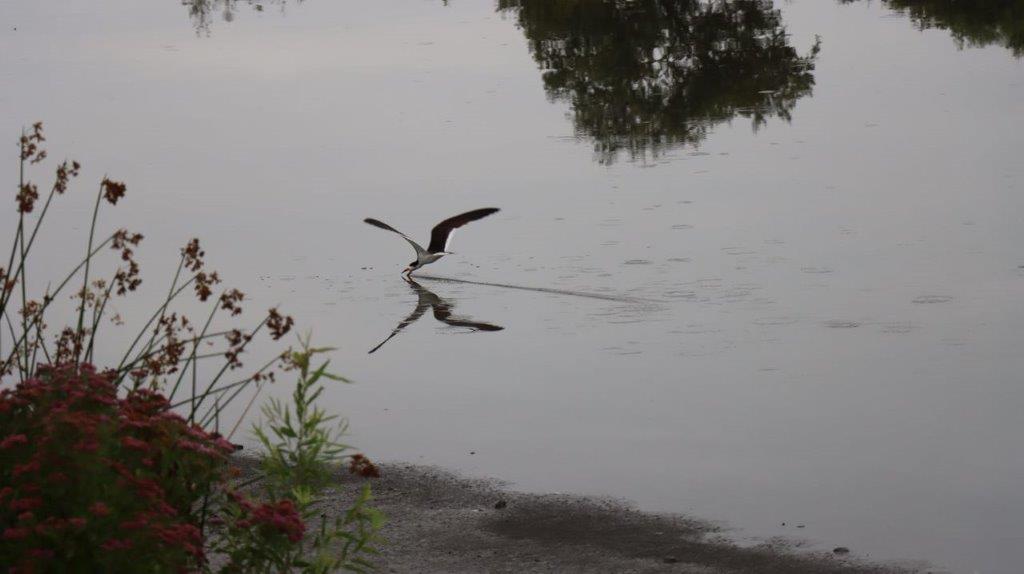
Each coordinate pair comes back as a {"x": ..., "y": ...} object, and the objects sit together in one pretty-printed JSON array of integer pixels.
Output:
[
  {"x": 439, "y": 235},
  {"x": 382, "y": 225}
]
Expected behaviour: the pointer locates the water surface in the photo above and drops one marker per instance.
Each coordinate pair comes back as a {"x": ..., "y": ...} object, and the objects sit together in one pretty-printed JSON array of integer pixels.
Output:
[{"x": 771, "y": 254}]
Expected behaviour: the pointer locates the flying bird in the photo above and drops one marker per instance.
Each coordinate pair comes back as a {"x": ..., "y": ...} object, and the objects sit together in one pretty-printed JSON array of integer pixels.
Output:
[
  {"x": 427, "y": 299},
  {"x": 440, "y": 236}
]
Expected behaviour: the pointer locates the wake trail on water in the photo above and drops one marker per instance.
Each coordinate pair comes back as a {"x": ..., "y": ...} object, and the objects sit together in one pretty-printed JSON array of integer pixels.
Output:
[{"x": 568, "y": 292}]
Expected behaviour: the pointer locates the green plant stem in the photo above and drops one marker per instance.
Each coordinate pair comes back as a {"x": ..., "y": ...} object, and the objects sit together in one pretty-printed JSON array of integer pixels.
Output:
[
  {"x": 60, "y": 287},
  {"x": 24, "y": 291},
  {"x": 171, "y": 294},
  {"x": 245, "y": 411},
  {"x": 213, "y": 411},
  {"x": 227, "y": 387},
  {"x": 88, "y": 259},
  {"x": 191, "y": 361},
  {"x": 160, "y": 339},
  {"x": 4, "y": 296},
  {"x": 97, "y": 316},
  {"x": 10, "y": 326},
  {"x": 20, "y": 241},
  {"x": 158, "y": 314},
  {"x": 31, "y": 240},
  {"x": 224, "y": 368},
  {"x": 40, "y": 344},
  {"x": 40, "y": 340}
]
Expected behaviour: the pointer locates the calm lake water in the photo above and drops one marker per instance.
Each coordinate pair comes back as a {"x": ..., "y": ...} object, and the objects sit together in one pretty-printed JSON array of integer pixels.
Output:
[{"x": 803, "y": 225}]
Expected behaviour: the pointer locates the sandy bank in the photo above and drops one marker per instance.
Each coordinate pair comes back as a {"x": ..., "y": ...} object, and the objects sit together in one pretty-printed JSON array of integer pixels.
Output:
[{"x": 439, "y": 522}]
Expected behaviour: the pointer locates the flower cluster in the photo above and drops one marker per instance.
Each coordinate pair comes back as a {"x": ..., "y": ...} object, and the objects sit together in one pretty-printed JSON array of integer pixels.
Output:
[
  {"x": 279, "y": 324},
  {"x": 359, "y": 465},
  {"x": 271, "y": 519},
  {"x": 30, "y": 144},
  {"x": 112, "y": 190},
  {"x": 99, "y": 475},
  {"x": 126, "y": 278},
  {"x": 83, "y": 469}
]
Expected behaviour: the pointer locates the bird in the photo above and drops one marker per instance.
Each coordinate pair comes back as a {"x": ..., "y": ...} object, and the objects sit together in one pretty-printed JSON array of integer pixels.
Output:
[
  {"x": 440, "y": 236},
  {"x": 427, "y": 299}
]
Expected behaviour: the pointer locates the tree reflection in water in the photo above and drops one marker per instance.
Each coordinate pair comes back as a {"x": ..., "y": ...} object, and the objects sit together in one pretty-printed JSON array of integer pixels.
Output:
[
  {"x": 204, "y": 12},
  {"x": 976, "y": 23},
  {"x": 644, "y": 76}
]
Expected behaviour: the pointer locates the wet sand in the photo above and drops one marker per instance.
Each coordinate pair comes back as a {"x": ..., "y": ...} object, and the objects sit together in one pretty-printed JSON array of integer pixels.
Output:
[{"x": 440, "y": 522}]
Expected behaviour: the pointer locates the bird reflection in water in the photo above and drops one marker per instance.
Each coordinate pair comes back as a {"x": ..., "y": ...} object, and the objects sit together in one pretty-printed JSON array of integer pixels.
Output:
[{"x": 442, "y": 309}]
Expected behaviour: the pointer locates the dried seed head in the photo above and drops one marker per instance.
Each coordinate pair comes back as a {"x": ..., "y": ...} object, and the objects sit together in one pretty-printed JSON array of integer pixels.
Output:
[
  {"x": 204, "y": 284},
  {"x": 27, "y": 196},
  {"x": 193, "y": 255},
  {"x": 64, "y": 173},
  {"x": 30, "y": 144},
  {"x": 279, "y": 324},
  {"x": 122, "y": 238},
  {"x": 230, "y": 301},
  {"x": 363, "y": 467},
  {"x": 69, "y": 346},
  {"x": 127, "y": 279},
  {"x": 6, "y": 284},
  {"x": 112, "y": 190},
  {"x": 237, "y": 341}
]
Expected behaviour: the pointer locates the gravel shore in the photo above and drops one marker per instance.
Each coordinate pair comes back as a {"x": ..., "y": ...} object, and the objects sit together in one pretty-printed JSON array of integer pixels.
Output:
[{"x": 439, "y": 522}]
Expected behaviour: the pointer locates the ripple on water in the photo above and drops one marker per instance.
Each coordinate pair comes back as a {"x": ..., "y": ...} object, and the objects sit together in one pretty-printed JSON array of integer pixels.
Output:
[
  {"x": 898, "y": 327},
  {"x": 697, "y": 329},
  {"x": 932, "y": 299},
  {"x": 816, "y": 270},
  {"x": 707, "y": 283},
  {"x": 679, "y": 259},
  {"x": 735, "y": 294},
  {"x": 682, "y": 226},
  {"x": 775, "y": 321},
  {"x": 680, "y": 294},
  {"x": 637, "y": 262},
  {"x": 841, "y": 324}
]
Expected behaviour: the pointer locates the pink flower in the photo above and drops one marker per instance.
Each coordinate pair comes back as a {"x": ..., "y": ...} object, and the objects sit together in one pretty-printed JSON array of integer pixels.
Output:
[
  {"x": 12, "y": 440},
  {"x": 20, "y": 469},
  {"x": 15, "y": 533},
  {"x": 87, "y": 445},
  {"x": 22, "y": 504},
  {"x": 283, "y": 517},
  {"x": 187, "y": 536},
  {"x": 99, "y": 509},
  {"x": 132, "y": 442},
  {"x": 43, "y": 553},
  {"x": 117, "y": 544}
]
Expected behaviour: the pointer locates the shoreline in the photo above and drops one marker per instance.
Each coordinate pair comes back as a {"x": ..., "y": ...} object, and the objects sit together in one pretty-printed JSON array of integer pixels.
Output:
[{"x": 438, "y": 521}]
